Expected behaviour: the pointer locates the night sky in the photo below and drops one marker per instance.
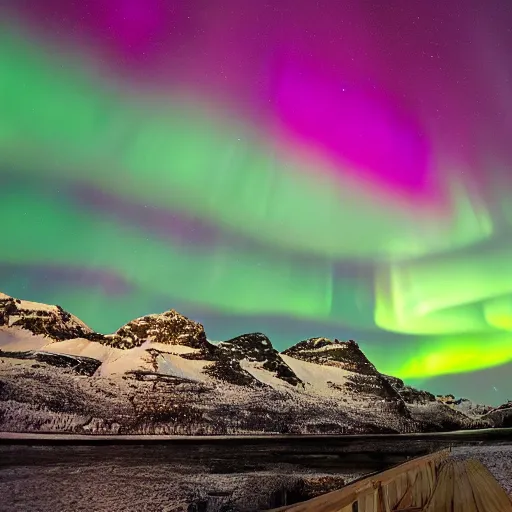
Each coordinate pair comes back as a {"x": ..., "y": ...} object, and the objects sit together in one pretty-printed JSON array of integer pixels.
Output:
[{"x": 301, "y": 168}]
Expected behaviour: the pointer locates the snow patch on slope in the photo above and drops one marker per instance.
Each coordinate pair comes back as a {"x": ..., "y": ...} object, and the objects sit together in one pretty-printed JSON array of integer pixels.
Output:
[
  {"x": 135, "y": 359},
  {"x": 17, "y": 339},
  {"x": 316, "y": 378},
  {"x": 176, "y": 366},
  {"x": 84, "y": 348}
]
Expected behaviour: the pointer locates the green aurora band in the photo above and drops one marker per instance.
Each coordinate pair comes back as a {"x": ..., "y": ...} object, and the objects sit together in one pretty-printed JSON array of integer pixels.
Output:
[{"x": 62, "y": 124}]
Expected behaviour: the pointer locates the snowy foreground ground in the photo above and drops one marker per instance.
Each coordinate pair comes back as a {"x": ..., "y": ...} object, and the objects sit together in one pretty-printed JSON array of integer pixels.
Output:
[{"x": 182, "y": 478}]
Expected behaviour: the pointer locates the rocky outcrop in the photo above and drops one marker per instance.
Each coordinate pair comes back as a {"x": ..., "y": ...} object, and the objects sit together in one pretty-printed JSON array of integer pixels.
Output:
[
  {"x": 439, "y": 417},
  {"x": 78, "y": 364},
  {"x": 169, "y": 328},
  {"x": 256, "y": 347},
  {"x": 230, "y": 371},
  {"x": 41, "y": 319},
  {"x": 341, "y": 354}
]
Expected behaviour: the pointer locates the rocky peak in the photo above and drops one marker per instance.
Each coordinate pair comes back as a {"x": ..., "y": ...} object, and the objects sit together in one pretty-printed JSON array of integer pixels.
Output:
[
  {"x": 253, "y": 347},
  {"x": 170, "y": 328},
  {"x": 42, "y": 319},
  {"x": 256, "y": 347},
  {"x": 342, "y": 354}
]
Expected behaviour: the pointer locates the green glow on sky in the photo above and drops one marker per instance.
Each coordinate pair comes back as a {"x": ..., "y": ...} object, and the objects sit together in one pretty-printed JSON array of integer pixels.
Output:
[{"x": 67, "y": 126}]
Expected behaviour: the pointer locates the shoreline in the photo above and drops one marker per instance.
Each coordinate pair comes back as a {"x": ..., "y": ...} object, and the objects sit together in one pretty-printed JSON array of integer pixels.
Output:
[{"x": 498, "y": 434}]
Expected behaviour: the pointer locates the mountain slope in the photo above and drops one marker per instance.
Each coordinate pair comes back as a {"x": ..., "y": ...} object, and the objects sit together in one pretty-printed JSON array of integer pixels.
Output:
[
  {"x": 258, "y": 354},
  {"x": 361, "y": 380}
]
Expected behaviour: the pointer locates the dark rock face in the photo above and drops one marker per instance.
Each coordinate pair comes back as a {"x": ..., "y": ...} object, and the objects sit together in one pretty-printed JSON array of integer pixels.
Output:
[
  {"x": 412, "y": 395},
  {"x": 394, "y": 381},
  {"x": 226, "y": 356},
  {"x": 229, "y": 370},
  {"x": 341, "y": 354},
  {"x": 376, "y": 385},
  {"x": 55, "y": 323},
  {"x": 169, "y": 328},
  {"x": 409, "y": 394},
  {"x": 439, "y": 417},
  {"x": 7, "y": 308},
  {"x": 78, "y": 364},
  {"x": 26, "y": 354},
  {"x": 223, "y": 366},
  {"x": 258, "y": 348}
]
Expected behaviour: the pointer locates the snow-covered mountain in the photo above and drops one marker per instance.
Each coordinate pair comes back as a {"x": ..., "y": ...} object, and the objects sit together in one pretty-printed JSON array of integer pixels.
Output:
[
  {"x": 20, "y": 317},
  {"x": 160, "y": 373},
  {"x": 344, "y": 358}
]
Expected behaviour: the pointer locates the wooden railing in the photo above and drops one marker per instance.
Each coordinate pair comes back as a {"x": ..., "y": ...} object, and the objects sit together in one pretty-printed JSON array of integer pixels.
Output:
[{"x": 432, "y": 483}]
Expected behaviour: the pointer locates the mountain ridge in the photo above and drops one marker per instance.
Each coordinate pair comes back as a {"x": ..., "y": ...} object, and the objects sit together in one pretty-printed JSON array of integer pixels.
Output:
[{"x": 316, "y": 385}]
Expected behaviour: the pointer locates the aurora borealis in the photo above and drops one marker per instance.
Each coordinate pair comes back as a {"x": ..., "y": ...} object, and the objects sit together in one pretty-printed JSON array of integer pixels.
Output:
[{"x": 298, "y": 168}]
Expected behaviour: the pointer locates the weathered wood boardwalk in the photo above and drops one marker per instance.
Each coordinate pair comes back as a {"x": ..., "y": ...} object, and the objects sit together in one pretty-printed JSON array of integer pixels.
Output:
[
  {"x": 467, "y": 486},
  {"x": 433, "y": 483}
]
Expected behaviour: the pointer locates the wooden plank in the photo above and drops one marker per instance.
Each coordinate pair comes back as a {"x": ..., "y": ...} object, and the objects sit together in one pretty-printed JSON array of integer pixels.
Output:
[
  {"x": 463, "y": 497},
  {"x": 379, "y": 495},
  {"x": 385, "y": 495},
  {"x": 467, "y": 486},
  {"x": 367, "y": 502},
  {"x": 488, "y": 493},
  {"x": 407, "y": 501}
]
